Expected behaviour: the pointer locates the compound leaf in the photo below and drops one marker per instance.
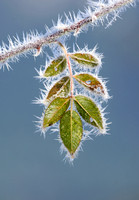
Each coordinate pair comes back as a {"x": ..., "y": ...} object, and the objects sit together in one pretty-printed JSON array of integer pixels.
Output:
[
  {"x": 89, "y": 111},
  {"x": 55, "y": 111},
  {"x": 85, "y": 59},
  {"x": 90, "y": 82},
  {"x": 71, "y": 130},
  {"x": 60, "y": 89},
  {"x": 56, "y": 66}
]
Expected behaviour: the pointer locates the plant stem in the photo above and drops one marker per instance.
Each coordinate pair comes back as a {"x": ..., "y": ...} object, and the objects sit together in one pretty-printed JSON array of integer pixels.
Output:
[
  {"x": 69, "y": 66},
  {"x": 71, "y": 76},
  {"x": 35, "y": 43}
]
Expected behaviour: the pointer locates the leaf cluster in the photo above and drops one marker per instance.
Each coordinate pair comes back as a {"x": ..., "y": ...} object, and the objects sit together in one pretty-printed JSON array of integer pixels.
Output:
[{"x": 60, "y": 100}]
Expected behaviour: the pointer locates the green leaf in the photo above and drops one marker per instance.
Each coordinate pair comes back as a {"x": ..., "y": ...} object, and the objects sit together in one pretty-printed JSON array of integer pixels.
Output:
[
  {"x": 56, "y": 66},
  {"x": 89, "y": 111},
  {"x": 71, "y": 131},
  {"x": 90, "y": 82},
  {"x": 85, "y": 59},
  {"x": 60, "y": 89},
  {"x": 55, "y": 111}
]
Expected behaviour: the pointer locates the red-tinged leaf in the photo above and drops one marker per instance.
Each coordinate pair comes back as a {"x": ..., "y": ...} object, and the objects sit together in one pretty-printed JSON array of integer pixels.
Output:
[{"x": 91, "y": 82}]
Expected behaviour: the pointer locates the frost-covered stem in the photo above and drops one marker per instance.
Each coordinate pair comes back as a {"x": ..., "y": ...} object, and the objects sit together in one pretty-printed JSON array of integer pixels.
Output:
[
  {"x": 69, "y": 66},
  {"x": 75, "y": 27},
  {"x": 71, "y": 76}
]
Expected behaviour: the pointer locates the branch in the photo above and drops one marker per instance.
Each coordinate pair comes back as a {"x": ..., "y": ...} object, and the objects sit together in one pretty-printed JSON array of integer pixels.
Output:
[{"x": 99, "y": 11}]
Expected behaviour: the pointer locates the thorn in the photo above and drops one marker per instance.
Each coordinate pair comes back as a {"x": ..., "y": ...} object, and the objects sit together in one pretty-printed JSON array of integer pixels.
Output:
[{"x": 38, "y": 51}]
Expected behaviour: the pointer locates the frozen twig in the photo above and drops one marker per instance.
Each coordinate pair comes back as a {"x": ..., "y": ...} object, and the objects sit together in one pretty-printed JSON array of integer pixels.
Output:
[{"x": 95, "y": 12}]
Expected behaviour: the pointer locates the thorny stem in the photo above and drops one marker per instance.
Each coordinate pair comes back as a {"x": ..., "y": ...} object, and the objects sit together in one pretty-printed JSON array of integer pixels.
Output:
[{"x": 75, "y": 27}]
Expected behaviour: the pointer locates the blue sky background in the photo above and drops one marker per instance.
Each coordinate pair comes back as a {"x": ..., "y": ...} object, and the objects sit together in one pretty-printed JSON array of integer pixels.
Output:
[{"x": 31, "y": 168}]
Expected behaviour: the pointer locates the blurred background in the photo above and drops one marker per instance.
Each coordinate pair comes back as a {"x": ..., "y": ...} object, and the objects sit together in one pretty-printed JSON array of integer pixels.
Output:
[{"x": 31, "y": 167}]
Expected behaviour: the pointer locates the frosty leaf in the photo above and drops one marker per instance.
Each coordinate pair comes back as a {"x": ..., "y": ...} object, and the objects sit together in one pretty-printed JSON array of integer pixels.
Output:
[
  {"x": 89, "y": 111},
  {"x": 56, "y": 66},
  {"x": 55, "y": 111},
  {"x": 71, "y": 131},
  {"x": 85, "y": 59},
  {"x": 90, "y": 82},
  {"x": 61, "y": 88}
]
